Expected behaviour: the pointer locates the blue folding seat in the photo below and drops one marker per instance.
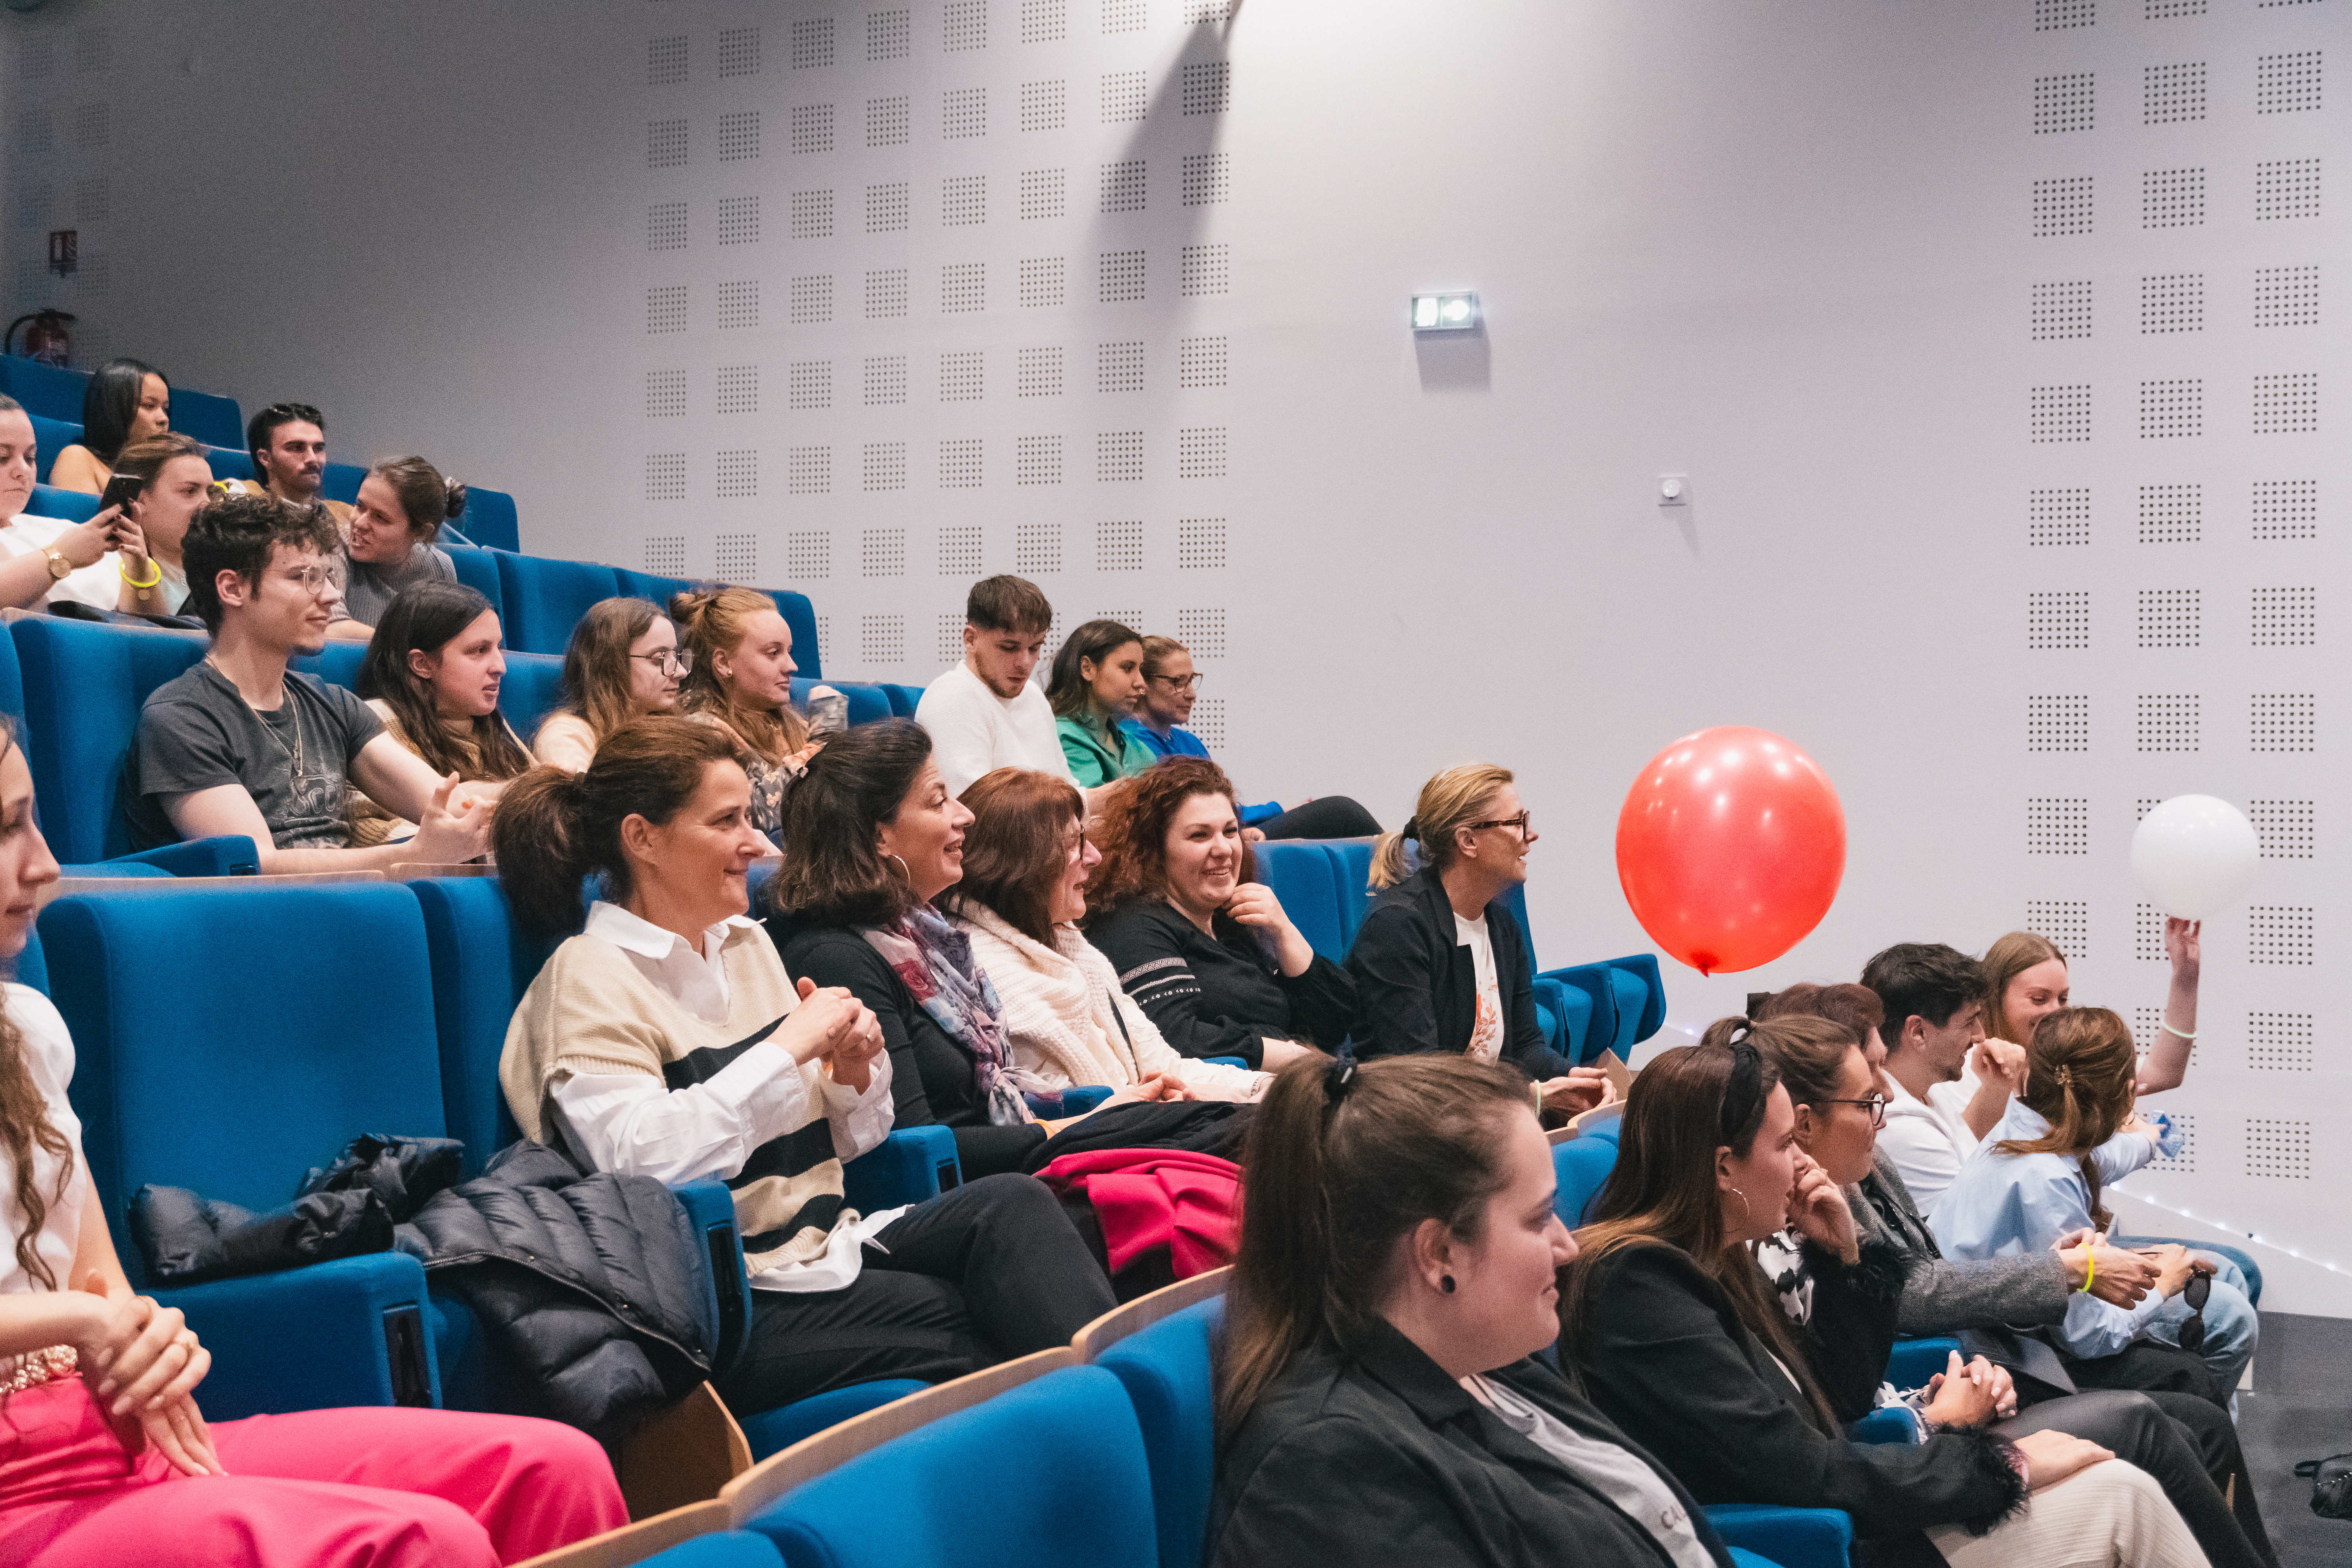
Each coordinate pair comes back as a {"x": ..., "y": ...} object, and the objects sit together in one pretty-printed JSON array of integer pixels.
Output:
[
  {"x": 1085, "y": 1501},
  {"x": 73, "y": 506},
  {"x": 544, "y": 599},
  {"x": 341, "y": 481},
  {"x": 47, "y": 391},
  {"x": 32, "y": 969},
  {"x": 478, "y": 569},
  {"x": 533, "y": 685},
  {"x": 866, "y": 702},
  {"x": 1307, "y": 881},
  {"x": 903, "y": 699},
  {"x": 232, "y": 462},
  {"x": 489, "y": 520},
  {"x": 52, "y": 436},
  {"x": 83, "y": 684},
  {"x": 648, "y": 585},
  {"x": 337, "y": 664},
  {"x": 227, "y": 1041},
  {"x": 800, "y": 616},
  {"x": 720, "y": 1549},
  {"x": 211, "y": 419}
]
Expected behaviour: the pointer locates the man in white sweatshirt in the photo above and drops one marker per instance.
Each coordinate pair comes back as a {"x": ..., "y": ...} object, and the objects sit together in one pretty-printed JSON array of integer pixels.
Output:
[{"x": 984, "y": 714}]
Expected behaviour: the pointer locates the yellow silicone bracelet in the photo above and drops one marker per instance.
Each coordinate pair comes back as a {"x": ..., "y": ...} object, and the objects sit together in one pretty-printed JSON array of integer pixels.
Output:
[
  {"x": 135, "y": 582},
  {"x": 2090, "y": 1267}
]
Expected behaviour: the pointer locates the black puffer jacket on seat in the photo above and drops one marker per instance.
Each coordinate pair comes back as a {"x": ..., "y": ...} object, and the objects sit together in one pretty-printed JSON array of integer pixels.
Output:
[{"x": 590, "y": 1286}]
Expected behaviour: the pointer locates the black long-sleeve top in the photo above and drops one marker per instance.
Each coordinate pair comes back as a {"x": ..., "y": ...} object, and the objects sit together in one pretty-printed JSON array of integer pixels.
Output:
[
  {"x": 932, "y": 1079},
  {"x": 1217, "y": 993},
  {"x": 1660, "y": 1349}
]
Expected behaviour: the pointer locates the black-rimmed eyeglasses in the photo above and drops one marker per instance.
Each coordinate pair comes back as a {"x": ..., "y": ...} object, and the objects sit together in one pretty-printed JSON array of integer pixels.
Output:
[
  {"x": 1877, "y": 1105},
  {"x": 1524, "y": 822}
]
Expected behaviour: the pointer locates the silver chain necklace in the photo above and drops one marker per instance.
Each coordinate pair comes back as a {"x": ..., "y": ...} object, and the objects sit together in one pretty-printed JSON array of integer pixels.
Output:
[{"x": 298, "y": 754}]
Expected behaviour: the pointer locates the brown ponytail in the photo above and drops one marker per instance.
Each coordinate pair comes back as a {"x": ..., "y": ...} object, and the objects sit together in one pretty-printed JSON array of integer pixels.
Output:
[
  {"x": 2080, "y": 1066},
  {"x": 1342, "y": 1158}
]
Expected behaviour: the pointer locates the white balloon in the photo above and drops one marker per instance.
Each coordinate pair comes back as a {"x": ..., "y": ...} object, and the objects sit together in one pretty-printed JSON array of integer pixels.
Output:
[{"x": 2195, "y": 855}]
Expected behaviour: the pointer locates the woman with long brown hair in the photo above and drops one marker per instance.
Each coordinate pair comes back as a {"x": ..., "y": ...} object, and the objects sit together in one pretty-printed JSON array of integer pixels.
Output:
[
  {"x": 622, "y": 663},
  {"x": 1378, "y": 1395},
  {"x": 1203, "y": 947},
  {"x": 739, "y": 652},
  {"x": 2026, "y": 981},
  {"x": 2039, "y": 1175},
  {"x": 1678, "y": 1337},
  {"x": 432, "y": 673},
  {"x": 100, "y": 1425}
]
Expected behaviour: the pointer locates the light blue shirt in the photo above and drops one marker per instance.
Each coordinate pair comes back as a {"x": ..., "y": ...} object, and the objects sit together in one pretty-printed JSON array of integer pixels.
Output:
[{"x": 2004, "y": 1206}]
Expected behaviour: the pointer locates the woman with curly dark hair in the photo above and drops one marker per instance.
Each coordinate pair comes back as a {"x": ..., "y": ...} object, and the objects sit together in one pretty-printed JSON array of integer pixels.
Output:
[{"x": 1206, "y": 952}]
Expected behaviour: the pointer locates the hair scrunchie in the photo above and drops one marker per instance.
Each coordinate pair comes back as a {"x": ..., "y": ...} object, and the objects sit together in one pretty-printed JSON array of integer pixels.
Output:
[
  {"x": 2062, "y": 1076},
  {"x": 1336, "y": 1078},
  {"x": 1411, "y": 829}
]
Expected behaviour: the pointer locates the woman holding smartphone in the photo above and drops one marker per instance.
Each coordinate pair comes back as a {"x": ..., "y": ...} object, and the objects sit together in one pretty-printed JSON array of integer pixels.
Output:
[{"x": 161, "y": 485}]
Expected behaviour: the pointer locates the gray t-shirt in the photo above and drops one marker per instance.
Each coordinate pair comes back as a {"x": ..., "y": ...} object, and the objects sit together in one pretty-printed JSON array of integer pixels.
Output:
[
  {"x": 1622, "y": 1476},
  {"x": 196, "y": 732},
  {"x": 367, "y": 588}
]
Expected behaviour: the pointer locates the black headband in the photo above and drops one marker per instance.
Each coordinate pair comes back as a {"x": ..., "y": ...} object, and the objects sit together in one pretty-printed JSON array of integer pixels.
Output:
[{"x": 1744, "y": 1091}]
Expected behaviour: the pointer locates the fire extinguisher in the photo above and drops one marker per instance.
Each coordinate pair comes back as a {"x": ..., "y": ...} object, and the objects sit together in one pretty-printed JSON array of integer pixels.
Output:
[{"x": 49, "y": 341}]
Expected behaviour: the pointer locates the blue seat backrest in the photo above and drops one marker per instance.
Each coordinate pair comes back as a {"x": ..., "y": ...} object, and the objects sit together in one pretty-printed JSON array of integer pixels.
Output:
[
  {"x": 341, "y": 481},
  {"x": 478, "y": 570},
  {"x": 230, "y": 463},
  {"x": 337, "y": 664},
  {"x": 489, "y": 520},
  {"x": 1305, "y": 878},
  {"x": 533, "y": 685},
  {"x": 800, "y": 616},
  {"x": 227, "y": 1041},
  {"x": 544, "y": 599},
  {"x": 1581, "y": 1167},
  {"x": 12, "y": 696},
  {"x": 1516, "y": 901},
  {"x": 1085, "y": 1501},
  {"x": 1354, "y": 860},
  {"x": 1166, "y": 1373},
  {"x": 32, "y": 967},
  {"x": 47, "y": 391},
  {"x": 51, "y": 436},
  {"x": 73, "y": 506},
  {"x": 214, "y": 420},
  {"x": 867, "y": 702},
  {"x": 903, "y": 699},
  {"x": 482, "y": 963},
  {"x": 720, "y": 1549},
  {"x": 83, "y": 685},
  {"x": 646, "y": 585}
]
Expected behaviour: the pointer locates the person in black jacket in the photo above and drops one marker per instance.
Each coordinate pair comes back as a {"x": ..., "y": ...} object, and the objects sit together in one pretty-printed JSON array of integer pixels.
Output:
[
  {"x": 1440, "y": 964},
  {"x": 875, "y": 836},
  {"x": 1378, "y": 1398},
  {"x": 1204, "y": 949},
  {"x": 1676, "y": 1335}
]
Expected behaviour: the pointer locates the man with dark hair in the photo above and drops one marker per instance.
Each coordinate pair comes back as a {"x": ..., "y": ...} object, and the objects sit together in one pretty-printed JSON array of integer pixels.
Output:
[
  {"x": 240, "y": 744},
  {"x": 984, "y": 714},
  {"x": 1937, "y": 1110},
  {"x": 287, "y": 442}
]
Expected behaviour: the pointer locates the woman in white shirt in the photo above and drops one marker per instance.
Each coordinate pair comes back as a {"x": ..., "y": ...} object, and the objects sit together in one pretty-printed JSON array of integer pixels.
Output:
[
  {"x": 622, "y": 663},
  {"x": 43, "y": 559},
  {"x": 100, "y": 1382},
  {"x": 667, "y": 1040},
  {"x": 1025, "y": 865}
]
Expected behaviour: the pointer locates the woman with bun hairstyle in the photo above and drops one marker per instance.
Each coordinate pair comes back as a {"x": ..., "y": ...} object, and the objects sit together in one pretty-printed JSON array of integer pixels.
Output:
[
  {"x": 432, "y": 674},
  {"x": 1204, "y": 948},
  {"x": 106, "y": 1458},
  {"x": 738, "y": 654},
  {"x": 1439, "y": 965},
  {"x": 622, "y": 663},
  {"x": 388, "y": 542},
  {"x": 1678, "y": 1337},
  {"x": 2038, "y": 1175},
  {"x": 124, "y": 402},
  {"x": 1380, "y": 1393}
]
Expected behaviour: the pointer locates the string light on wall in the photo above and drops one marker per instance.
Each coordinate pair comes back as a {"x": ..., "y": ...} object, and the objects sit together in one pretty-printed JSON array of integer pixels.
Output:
[{"x": 1446, "y": 312}]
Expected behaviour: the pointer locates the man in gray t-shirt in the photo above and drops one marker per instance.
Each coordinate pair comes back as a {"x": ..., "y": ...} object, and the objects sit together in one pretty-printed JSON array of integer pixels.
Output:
[{"x": 240, "y": 744}]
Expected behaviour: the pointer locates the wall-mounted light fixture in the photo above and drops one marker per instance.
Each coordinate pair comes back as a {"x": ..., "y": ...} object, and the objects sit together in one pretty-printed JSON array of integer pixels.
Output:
[{"x": 1446, "y": 312}]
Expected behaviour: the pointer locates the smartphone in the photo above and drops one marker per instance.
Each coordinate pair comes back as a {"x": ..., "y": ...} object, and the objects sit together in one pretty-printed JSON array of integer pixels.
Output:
[{"x": 122, "y": 489}]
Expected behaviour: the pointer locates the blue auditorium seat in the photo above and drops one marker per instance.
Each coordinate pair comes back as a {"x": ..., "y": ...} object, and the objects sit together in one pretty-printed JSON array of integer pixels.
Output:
[
  {"x": 1912, "y": 1361},
  {"x": 214, "y": 420},
  {"x": 47, "y": 391},
  {"x": 1166, "y": 1373},
  {"x": 73, "y": 506},
  {"x": 720, "y": 1549},
  {"x": 231, "y": 462},
  {"x": 32, "y": 968},
  {"x": 1307, "y": 881},
  {"x": 800, "y": 616},
  {"x": 478, "y": 569},
  {"x": 1084, "y": 1501},
  {"x": 532, "y": 686},
  {"x": 213, "y": 1052},
  {"x": 52, "y": 436},
  {"x": 341, "y": 481},
  {"x": 867, "y": 702},
  {"x": 774, "y": 1431},
  {"x": 83, "y": 683},
  {"x": 1794, "y": 1537},
  {"x": 544, "y": 599},
  {"x": 1581, "y": 1167},
  {"x": 648, "y": 585},
  {"x": 903, "y": 699},
  {"x": 489, "y": 520},
  {"x": 337, "y": 664}
]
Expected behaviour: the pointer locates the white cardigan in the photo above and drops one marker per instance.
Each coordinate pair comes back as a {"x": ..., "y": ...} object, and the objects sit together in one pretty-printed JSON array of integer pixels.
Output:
[{"x": 1056, "y": 1015}]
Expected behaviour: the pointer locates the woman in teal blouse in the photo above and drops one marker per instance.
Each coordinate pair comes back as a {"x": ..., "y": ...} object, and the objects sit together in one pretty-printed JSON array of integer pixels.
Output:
[{"x": 1098, "y": 679}]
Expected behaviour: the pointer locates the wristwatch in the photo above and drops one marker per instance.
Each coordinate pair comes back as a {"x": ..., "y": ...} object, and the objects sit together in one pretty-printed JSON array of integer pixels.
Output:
[{"x": 60, "y": 567}]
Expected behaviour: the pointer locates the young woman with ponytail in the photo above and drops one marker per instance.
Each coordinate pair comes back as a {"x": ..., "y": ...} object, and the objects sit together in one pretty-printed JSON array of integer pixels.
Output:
[
  {"x": 668, "y": 1040},
  {"x": 1378, "y": 1393},
  {"x": 1678, "y": 1337},
  {"x": 740, "y": 674},
  {"x": 99, "y": 1428},
  {"x": 2038, "y": 1177},
  {"x": 388, "y": 541},
  {"x": 1439, "y": 965}
]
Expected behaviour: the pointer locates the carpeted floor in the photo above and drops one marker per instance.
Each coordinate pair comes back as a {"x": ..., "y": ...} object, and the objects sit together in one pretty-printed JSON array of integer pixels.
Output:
[{"x": 2299, "y": 1408}]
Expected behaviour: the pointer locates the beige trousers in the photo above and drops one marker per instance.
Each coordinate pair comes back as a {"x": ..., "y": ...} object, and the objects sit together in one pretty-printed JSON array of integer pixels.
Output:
[{"x": 2110, "y": 1515}]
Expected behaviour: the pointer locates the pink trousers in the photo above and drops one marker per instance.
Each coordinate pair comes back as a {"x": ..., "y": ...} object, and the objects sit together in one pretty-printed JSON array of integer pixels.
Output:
[{"x": 369, "y": 1487}]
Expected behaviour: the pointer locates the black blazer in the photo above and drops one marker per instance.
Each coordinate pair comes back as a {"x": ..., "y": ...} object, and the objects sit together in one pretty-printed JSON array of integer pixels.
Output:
[
  {"x": 1379, "y": 1457},
  {"x": 1661, "y": 1351},
  {"x": 1220, "y": 995},
  {"x": 932, "y": 1079},
  {"x": 1417, "y": 989}
]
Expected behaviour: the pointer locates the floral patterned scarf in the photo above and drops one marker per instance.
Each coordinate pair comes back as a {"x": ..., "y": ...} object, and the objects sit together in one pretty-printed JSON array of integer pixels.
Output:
[{"x": 933, "y": 960}]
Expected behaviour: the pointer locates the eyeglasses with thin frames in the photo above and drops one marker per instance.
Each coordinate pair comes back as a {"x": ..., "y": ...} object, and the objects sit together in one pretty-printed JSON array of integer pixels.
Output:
[
  {"x": 669, "y": 660},
  {"x": 1181, "y": 683},
  {"x": 1524, "y": 822},
  {"x": 312, "y": 580},
  {"x": 1876, "y": 1104}
]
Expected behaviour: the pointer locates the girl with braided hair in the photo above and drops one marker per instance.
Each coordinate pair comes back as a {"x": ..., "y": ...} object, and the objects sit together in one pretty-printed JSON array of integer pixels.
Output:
[{"x": 2038, "y": 1176}]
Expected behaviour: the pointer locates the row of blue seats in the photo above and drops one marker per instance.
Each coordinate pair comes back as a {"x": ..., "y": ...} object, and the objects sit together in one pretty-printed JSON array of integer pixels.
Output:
[
  {"x": 54, "y": 392},
  {"x": 490, "y": 518},
  {"x": 219, "y": 1049},
  {"x": 1586, "y": 1009}
]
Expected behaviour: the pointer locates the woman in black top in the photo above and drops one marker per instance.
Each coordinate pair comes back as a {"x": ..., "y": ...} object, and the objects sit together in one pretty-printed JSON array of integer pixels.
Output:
[
  {"x": 1206, "y": 952},
  {"x": 1378, "y": 1398},
  {"x": 875, "y": 836},
  {"x": 1676, "y": 1335}
]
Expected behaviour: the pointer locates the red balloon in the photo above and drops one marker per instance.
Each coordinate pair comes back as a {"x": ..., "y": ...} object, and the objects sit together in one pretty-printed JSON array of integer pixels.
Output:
[{"x": 1730, "y": 847}]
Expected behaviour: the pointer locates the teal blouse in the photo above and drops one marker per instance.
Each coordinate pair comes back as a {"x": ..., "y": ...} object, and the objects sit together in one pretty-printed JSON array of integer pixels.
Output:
[{"x": 1092, "y": 762}]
